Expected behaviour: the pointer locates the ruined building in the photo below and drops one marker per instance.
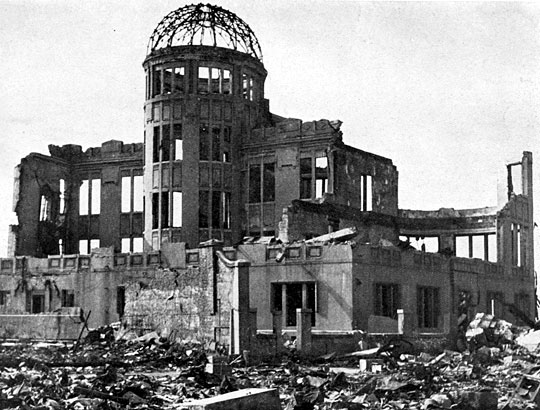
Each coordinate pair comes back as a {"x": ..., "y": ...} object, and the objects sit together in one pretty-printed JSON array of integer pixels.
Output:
[{"x": 229, "y": 219}]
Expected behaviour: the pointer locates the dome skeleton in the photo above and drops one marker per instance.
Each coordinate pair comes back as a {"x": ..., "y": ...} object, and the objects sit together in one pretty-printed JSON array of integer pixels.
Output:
[{"x": 204, "y": 24}]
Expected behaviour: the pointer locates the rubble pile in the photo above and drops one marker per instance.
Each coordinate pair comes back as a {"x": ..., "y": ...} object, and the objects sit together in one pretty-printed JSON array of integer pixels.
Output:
[{"x": 153, "y": 373}]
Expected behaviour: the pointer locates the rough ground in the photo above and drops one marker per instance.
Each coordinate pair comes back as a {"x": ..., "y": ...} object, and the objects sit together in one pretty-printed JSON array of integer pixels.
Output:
[{"x": 108, "y": 374}]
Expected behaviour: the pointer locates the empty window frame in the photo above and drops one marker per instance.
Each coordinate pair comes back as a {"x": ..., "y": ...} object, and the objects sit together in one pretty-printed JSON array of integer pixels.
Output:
[
  {"x": 134, "y": 244},
  {"x": 177, "y": 209},
  {"x": 177, "y": 139},
  {"x": 482, "y": 246},
  {"x": 428, "y": 306},
  {"x": 226, "y": 210},
  {"x": 45, "y": 209},
  {"x": 214, "y": 80},
  {"x": 131, "y": 193},
  {"x": 4, "y": 294},
  {"x": 386, "y": 299},
  {"x": 366, "y": 192},
  {"x": 262, "y": 182},
  {"x": 62, "y": 187},
  {"x": 247, "y": 87},
  {"x": 495, "y": 303},
  {"x": 86, "y": 245},
  {"x": 422, "y": 243},
  {"x": 204, "y": 143},
  {"x": 90, "y": 197},
  {"x": 37, "y": 302},
  {"x": 160, "y": 210},
  {"x": 68, "y": 298},
  {"x": 167, "y": 80},
  {"x": 313, "y": 176},
  {"x": 287, "y": 297}
]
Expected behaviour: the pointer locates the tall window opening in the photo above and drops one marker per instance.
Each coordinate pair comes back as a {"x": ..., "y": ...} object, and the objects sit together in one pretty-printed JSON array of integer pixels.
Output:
[
  {"x": 321, "y": 176},
  {"x": 62, "y": 186},
  {"x": 177, "y": 136},
  {"x": 177, "y": 209},
  {"x": 366, "y": 193},
  {"x": 226, "y": 210},
  {"x": 90, "y": 197},
  {"x": 428, "y": 307},
  {"x": 247, "y": 87},
  {"x": 204, "y": 77},
  {"x": 203, "y": 209},
  {"x": 68, "y": 298},
  {"x": 179, "y": 73},
  {"x": 45, "y": 209},
  {"x": 204, "y": 143},
  {"x": 305, "y": 178},
  {"x": 387, "y": 299}
]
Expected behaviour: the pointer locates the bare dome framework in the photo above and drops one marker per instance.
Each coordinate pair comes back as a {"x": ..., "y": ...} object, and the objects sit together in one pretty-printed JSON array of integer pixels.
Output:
[{"x": 205, "y": 24}]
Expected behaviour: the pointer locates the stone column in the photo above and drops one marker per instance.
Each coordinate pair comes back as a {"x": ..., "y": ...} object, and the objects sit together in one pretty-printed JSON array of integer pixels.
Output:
[{"x": 303, "y": 330}]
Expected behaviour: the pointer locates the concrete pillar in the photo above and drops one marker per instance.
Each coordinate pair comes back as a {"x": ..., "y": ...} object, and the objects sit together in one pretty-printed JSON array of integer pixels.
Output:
[
  {"x": 303, "y": 330},
  {"x": 277, "y": 328},
  {"x": 240, "y": 316}
]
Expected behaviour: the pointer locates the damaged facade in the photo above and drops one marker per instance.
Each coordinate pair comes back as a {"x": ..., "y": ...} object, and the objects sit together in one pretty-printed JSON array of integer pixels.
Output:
[{"x": 230, "y": 220}]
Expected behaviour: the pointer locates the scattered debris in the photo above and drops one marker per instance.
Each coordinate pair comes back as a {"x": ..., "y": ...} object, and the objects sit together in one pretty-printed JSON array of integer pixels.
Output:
[{"x": 151, "y": 372}]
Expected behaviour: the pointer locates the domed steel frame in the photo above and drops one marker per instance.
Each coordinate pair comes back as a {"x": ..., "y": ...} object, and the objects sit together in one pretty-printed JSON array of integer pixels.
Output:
[{"x": 205, "y": 24}]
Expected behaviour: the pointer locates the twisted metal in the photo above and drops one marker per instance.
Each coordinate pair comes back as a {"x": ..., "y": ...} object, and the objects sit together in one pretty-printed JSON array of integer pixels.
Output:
[{"x": 205, "y": 24}]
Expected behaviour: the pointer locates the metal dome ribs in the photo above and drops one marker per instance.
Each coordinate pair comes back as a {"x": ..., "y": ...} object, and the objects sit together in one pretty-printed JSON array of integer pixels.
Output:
[{"x": 205, "y": 24}]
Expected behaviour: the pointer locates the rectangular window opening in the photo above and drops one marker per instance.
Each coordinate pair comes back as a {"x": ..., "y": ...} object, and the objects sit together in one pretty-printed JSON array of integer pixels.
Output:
[
  {"x": 204, "y": 143},
  {"x": 62, "y": 184},
  {"x": 204, "y": 76},
  {"x": 84, "y": 197},
  {"x": 178, "y": 148},
  {"x": 179, "y": 79},
  {"x": 177, "y": 209},
  {"x": 167, "y": 80},
  {"x": 95, "y": 194},
  {"x": 138, "y": 196},
  {"x": 428, "y": 307},
  {"x": 126, "y": 194}
]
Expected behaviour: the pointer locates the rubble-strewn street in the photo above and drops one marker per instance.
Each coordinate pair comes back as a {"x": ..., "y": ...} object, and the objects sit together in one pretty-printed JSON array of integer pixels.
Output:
[{"x": 151, "y": 373}]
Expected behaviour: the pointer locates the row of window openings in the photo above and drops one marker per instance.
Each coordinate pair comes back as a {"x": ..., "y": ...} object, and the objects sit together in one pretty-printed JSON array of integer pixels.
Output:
[
  {"x": 210, "y": 80},
  {"x": 90, "y": 196},
  {"x": 387, "y": 301},
  {"x": 128, "y": 245},
  {"x": 213, "y": 145},
  {"x": 481, "y": 246},
  {"x": 162, "y": 112},
  {"x": 36, "y": 301}
]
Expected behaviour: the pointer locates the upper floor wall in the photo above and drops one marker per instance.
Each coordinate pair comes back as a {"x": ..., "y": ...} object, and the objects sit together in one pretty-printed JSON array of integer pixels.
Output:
[{"x": 73, "y": 201}]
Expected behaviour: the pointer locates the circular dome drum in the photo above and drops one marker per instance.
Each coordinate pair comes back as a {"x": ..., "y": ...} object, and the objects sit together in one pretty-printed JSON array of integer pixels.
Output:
[{"x": 207, "y": 25}]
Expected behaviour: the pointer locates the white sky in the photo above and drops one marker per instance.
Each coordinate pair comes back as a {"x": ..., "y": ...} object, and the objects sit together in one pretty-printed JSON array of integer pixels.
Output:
[{"x": 449, "y": 91}]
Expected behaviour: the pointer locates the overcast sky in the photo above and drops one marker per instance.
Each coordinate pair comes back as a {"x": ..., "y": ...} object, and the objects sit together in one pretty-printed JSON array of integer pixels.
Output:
[{"x": 449, "y": 91}]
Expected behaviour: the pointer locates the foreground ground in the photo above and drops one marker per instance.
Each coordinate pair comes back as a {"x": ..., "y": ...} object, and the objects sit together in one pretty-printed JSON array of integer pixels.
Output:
[{"x": 107, "y": 374}]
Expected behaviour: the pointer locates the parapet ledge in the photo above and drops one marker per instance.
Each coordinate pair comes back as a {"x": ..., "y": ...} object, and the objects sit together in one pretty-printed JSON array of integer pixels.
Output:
[
  {"x": 295, "y": 128},
  {"x": 448, "y": 213},
  {"x": 109, "y": 149}
]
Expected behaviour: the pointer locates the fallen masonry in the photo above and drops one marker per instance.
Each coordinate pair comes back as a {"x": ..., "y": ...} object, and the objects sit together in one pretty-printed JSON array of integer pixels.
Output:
[{"x": 153, "y": 372}]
